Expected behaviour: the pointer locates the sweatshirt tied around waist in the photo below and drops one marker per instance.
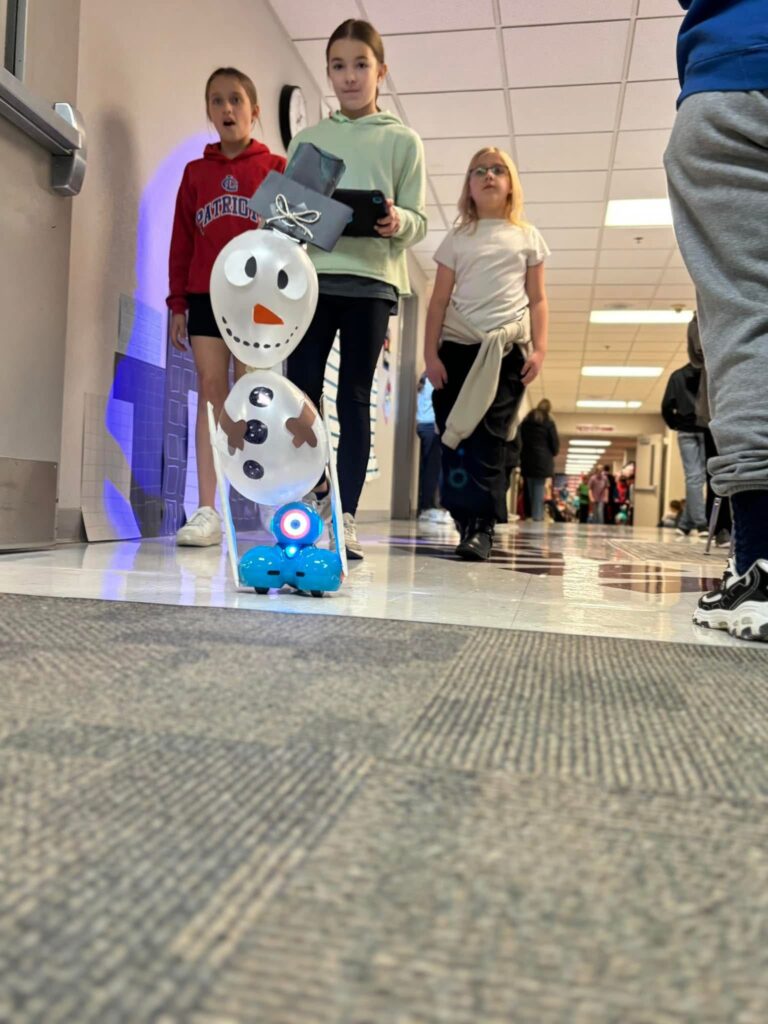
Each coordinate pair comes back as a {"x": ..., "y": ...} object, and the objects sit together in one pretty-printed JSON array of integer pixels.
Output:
[{"x": 482, "y": 381}]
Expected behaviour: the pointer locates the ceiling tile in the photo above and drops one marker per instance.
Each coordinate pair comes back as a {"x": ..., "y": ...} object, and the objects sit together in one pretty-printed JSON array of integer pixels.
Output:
[
  {"x": 652, "y": 238},
  {"x": 618, "y": 293},
  {"x": 636, "y": 275},
  {"x": 312, "y": 21},
  {"x": 660, "y": 9},
  {"x": 452, "y": 156},
  {"x": 583, "y": 108},
  {"x": 393, "y": 16},
  {"x": 430, "y": 242},
  {"x": 649, "y": 105},
  {"x": 654, "y": 49},
  {"x": 534, "y": 12},
  {"x": 572, "y": 238},
  {"x": 566, "y": 215},
  {"x": 641, "y": 149},
  {"x": 448, "y": 188},
  {"x": 570, "y": 275},
  {"x": 436, "y": 217},
  {"x": 576, "y": 54},
  {"x": 587, "y": 151},
  {"x": 685, "y": 293},
  {"x": 650, "y": 183},
  {"x": 449, "y": 60},
  {"x": 637, "y": 257},
  {"x": 564, "y": 187},
  {"x": 569, "y": 291},
  {"x": 455, "y": 115},
  {"x": 573, "y": 258},
  {"x": 676, "y": 275}
]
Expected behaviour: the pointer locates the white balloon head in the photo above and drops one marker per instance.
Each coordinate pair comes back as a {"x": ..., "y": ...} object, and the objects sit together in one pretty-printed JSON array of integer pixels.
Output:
[{"x": 264, "y": 293}]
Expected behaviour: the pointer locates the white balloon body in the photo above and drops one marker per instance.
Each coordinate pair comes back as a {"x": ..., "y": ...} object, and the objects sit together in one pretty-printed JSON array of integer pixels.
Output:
[
  {"x": 264, "y": 294},
  {"x": 284, "y": 443}
]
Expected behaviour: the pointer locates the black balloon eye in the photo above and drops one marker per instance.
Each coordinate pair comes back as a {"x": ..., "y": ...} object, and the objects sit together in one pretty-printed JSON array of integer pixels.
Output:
[
  {"x": 261, "y": 397},
  {"x": 282, "y": 279},
  {"x": 250, "y": 266},
  {"x": 256, "y": 432},
  {"x": 253, "y": 470}
]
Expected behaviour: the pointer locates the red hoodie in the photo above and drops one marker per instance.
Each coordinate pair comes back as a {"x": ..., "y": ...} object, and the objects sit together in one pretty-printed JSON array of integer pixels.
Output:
[{"x": 211, "y": 210}]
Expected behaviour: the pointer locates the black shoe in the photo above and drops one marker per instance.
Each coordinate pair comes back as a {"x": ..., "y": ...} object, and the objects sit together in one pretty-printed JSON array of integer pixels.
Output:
[
  {"x": 739, "y": 604},
  {"x": 464, "y": 525},
  {"x": 477, "y": 545}
]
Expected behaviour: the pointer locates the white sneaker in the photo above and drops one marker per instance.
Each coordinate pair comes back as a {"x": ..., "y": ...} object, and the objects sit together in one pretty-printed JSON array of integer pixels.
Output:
[
  {"x": 324, "y": 509},
  {"x": 425, "y": 516},
  {"x": 440, "y": 515},
  {"x": 352, "y": 544},
  {"x": 202, "y": 530}
]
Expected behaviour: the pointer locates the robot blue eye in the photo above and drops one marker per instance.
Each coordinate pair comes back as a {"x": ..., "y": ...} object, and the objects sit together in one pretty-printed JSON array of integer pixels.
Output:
[
  {"x": 261, "y": 397},
  {"x": 253, "y": 470},
  {"x": 256, "y": 432}
]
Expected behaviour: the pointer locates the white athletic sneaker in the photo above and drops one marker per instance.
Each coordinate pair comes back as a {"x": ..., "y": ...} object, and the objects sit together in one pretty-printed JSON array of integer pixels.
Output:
[
  {"x": 324, "y": 509},
  {"x": 202, "y": 530},
  {"x": 352, "y": 544},
  {"x": 440, "y": 515}
]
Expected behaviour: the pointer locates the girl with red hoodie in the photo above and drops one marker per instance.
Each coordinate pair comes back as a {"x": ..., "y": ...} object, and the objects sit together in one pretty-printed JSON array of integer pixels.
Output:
[{"x": 211, "y": 209}]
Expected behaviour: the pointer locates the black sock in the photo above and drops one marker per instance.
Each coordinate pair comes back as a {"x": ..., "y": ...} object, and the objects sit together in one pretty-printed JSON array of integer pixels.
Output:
[{"x": 750, "y": 523}]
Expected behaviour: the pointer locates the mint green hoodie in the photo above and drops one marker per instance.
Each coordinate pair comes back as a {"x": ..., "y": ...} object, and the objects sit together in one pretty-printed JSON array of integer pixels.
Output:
[{"x": 380, "y": 152}]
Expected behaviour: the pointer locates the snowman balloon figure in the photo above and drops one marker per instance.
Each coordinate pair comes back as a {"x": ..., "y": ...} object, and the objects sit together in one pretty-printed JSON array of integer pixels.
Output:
[{"x": 270, "y": 442}]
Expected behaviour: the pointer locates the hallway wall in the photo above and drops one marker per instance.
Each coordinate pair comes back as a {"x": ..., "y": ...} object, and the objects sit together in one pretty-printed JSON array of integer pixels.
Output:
[
  {"x": 34, "y": 246},
  {"x": 142, "y": 73}
]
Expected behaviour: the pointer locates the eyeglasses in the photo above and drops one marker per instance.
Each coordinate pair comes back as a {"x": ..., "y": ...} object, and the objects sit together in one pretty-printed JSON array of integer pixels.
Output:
[{"x": 497, "y": 170}]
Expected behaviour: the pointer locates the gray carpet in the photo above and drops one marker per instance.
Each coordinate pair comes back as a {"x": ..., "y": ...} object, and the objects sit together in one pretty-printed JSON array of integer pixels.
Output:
[{"x": 223, "y": 817}]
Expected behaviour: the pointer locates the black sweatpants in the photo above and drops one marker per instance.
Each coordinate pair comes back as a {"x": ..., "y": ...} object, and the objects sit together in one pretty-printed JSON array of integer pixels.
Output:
[
  {"x": 474, "y": 474},
  {"x": 362, "y": 326}
]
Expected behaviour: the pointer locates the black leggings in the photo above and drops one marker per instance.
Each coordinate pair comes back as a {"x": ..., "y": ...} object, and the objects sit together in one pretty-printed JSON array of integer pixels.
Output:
[
  {"x": 475, "y": 473},
  {"x": 362, "y": 326}
]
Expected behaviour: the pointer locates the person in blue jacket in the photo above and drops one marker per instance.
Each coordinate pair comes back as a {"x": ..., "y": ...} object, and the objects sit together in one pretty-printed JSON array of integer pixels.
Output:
[{"x": 717, "y": 171}]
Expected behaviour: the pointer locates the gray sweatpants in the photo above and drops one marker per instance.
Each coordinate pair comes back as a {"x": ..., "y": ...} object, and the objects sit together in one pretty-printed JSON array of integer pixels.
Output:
[{"x": 717, "y": 169}]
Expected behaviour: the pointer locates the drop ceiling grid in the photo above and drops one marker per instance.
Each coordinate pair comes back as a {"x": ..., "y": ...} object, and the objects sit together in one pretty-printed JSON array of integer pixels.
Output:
[{"x": 588, "y": 123}]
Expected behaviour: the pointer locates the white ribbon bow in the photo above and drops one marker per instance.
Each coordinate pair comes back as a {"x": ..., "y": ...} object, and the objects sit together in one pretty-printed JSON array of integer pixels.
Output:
[{"x": 299, "y": 218}]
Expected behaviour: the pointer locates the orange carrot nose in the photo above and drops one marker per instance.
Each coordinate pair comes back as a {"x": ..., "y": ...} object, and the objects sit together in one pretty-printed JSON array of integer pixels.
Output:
[{"x": 262, "y": 315}]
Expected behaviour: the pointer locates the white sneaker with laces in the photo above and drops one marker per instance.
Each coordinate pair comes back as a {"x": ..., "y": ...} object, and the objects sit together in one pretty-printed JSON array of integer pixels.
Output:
[
  {"x": 201, "y": 530},
  {"x": 425, "y": 516},
  {"x": 352, "y": 544}
]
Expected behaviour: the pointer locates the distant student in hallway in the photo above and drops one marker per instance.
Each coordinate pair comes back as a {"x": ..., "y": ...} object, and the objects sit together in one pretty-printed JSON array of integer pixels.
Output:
[
  {"x": 540, "y": 442},
  {"x": 678, "y": 407},
  {"x": 599, "y": 492},
  {"x": 429, "y": 455},
  {"x": 211, "y": 210},
  {"x": 363, "y": 278},
  {"x": 488, "y": 303}
]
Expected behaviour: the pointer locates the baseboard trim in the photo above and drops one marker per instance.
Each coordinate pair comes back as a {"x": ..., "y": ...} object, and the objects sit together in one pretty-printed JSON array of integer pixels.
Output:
[{"x": 70, "y": 528}]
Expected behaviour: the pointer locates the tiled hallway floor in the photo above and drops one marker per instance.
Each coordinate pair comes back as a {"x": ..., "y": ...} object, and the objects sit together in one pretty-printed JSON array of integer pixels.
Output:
[{"x": 603, "y": 581}]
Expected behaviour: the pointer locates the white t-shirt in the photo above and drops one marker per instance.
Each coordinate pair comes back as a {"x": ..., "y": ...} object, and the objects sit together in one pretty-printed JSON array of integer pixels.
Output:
[{"x": 490, "y": 263}]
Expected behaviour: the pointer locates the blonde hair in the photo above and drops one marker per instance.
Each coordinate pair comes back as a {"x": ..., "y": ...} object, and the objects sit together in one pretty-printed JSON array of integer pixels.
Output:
[{"x": 513, "y": 212}]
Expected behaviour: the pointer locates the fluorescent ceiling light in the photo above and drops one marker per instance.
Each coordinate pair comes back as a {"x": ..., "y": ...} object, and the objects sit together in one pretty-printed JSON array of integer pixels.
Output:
[
  {"x": 621, "y": 371},
  {"x": 630, "y": 213},
  {"x": 640, "y": 316},
  {"x": 578, "y": 443},
  {"x": 606, "y": 403}
]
